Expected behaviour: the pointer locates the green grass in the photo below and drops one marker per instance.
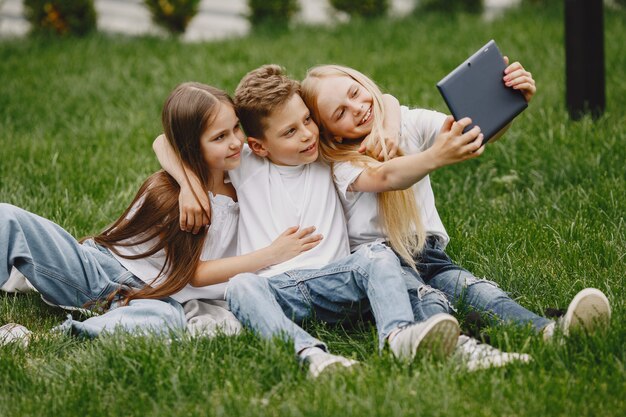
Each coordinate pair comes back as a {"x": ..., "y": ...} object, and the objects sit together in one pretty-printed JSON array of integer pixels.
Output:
[{"x": 541, "y": 213}]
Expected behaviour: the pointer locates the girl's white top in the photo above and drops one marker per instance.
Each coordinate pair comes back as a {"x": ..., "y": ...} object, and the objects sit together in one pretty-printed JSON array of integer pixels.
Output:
[
  {"x": 419, "y": 128},
  {"x": 220, "y": 242}
]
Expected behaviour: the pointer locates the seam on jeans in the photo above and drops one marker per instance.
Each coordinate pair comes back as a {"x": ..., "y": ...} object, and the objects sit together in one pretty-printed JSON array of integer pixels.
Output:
[
  {"x": 477, "y": 280},
  {"x": 57, "y": 277},
  {"x": 300, "y": 276}
]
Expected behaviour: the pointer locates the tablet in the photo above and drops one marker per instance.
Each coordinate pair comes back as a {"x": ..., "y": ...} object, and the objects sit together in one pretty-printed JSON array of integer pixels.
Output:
[{"x": 475, "y": 89}]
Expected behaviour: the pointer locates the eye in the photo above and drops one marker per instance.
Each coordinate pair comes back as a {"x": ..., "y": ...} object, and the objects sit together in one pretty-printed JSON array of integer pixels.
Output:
[
  {"x": 290, "y": 132},
  {"x": 340, "y": 114},
  {"x": 355, "y": 92},
  {"x": 219, "y": 138},
  {"x": 307, "y": 119}
]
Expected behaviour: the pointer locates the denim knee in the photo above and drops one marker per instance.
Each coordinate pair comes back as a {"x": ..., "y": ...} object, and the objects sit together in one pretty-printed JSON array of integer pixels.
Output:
[{"x": 244, "y": 288}]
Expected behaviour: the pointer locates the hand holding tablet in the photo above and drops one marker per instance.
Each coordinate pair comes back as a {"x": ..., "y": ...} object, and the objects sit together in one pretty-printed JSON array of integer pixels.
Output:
[{"x": 476, "y": 89}]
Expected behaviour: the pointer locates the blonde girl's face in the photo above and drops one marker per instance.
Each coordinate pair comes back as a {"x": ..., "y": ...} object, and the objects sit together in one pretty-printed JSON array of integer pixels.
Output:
[
  {"x": 222, "y": 141},
  {"x": 345, "y": 107}
]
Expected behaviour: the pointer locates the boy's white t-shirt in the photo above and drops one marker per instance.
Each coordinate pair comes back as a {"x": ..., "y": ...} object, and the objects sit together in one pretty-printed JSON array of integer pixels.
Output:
[
  {"x": 273, "y": 198},
  {"x": 419, "y": 128},
  {"x": 220, "y": 242}
]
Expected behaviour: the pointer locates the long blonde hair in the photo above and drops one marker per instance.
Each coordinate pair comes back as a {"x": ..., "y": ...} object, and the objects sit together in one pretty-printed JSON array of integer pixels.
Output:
[{"x": 401, "y": 219}]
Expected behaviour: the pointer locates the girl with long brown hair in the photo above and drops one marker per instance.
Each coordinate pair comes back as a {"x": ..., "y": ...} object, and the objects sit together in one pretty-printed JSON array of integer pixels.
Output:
[{"x": 143, "y": 266}]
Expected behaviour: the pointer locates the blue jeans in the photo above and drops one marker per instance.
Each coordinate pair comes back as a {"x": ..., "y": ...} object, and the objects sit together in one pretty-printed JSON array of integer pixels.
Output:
[
  {"x": 370, "y": 278},
  {"x": 460, "y": 287},
  {"x": 68, "y": 273}
]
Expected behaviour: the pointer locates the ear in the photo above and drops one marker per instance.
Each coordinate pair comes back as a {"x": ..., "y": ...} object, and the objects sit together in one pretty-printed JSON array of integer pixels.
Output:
[{"x": 257, "y": 146}]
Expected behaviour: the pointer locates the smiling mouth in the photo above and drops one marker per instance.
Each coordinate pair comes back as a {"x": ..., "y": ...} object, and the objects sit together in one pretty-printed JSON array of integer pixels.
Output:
[
  {"x": 310, "y": 148},
  {"x": 235, "y": 155},
  {"x": 367, "y": 116}
]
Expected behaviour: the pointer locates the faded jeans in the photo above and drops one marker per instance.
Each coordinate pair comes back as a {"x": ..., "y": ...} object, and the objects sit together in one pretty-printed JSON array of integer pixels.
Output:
[
  {"x": 439, "y": 275},
  {"x": 68, "y": 273},
  {"x": 369, "y": 278}
]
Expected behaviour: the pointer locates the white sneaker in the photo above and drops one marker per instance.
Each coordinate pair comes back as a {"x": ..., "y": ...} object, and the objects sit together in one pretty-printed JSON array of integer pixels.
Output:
[
  {"x": 437, "y": 334},
  {"x": 323, "y": 361},
  {"x": 14, "y": 333},
  {"x": 588, "y": 310},
  {"x": 475, "y": 355}
]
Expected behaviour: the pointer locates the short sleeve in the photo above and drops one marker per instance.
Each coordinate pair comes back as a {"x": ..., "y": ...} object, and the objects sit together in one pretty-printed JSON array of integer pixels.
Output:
[
  {"x": 420, "y": 127},
  {"x": 344, "y": 174}
]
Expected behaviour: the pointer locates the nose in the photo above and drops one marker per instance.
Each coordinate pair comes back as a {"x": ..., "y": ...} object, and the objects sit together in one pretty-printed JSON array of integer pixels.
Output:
[
  {"x": 236, "y": 142},
  {"x": 356, "y": 108},
  {"x": 307, "y": 133}
]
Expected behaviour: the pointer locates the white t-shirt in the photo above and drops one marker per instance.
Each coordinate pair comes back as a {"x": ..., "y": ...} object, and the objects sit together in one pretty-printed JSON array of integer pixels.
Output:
[
  {"x": 220, "y": 242},
  {"x": 273, "y": 198},
  {"x": 419, "y": 128}
]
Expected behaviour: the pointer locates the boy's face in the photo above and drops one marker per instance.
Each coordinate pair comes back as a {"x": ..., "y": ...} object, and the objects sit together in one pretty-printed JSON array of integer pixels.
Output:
[
  {"x": 291, "y": 136},
  {"x": 345, "y": 106}
]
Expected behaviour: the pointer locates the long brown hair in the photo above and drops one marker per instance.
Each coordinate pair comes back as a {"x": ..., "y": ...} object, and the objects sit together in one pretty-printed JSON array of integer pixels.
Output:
[
  {"x": 187, "y": 113},
  {"x": 401, "y": 218}
]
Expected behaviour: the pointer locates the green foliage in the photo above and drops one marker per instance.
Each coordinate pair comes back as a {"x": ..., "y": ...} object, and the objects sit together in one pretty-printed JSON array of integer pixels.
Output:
[
  {"x": 451, "y": 6},
  {"x": 60, "y": 17},
  {"x": 173, "y": 15},
  {"x": 272, "y": 12},
  {"x": 364, "y": 8}
]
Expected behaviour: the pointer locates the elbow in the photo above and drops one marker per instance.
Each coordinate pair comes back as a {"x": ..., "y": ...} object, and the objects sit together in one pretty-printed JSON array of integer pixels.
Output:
[
  {"x": 196, "y": 281},
  {"x": 157, "y": 143}
]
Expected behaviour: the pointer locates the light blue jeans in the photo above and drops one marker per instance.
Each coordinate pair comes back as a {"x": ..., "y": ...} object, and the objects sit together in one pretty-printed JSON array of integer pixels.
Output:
[
  {"x": 448, "y": 283},
  {"x": 370, "y": 278},
  {"x": 68, "y": 273}
]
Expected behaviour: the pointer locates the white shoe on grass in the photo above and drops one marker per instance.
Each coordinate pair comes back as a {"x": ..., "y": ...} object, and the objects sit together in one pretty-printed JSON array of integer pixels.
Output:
[
  {"x": 437, "y": 335},
  {"x": 475, "y": 355},
  {"x": 324, "y": 361},
  {"x": 14, "y": 333},
  {"x": 588, "y": 310}
]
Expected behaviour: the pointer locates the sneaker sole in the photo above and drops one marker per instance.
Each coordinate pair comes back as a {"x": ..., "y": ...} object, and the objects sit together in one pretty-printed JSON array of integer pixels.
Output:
[
  {"x": 589, "y": 309},
  {"x": 441, "y": 336}
]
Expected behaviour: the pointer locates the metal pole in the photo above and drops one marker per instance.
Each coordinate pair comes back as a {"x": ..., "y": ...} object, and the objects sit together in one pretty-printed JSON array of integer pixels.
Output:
[{"x": 584, "y": 58}]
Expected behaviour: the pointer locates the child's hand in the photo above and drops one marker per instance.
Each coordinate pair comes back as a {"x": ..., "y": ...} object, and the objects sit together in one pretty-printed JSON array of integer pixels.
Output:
[
  {"x": 516, "y": 77},
  {"x": 193, "y": 214},
  {"x": 452, "y": 145},
  {"x": 376, "y": 150},
  {"x": 292, "y": 242}
]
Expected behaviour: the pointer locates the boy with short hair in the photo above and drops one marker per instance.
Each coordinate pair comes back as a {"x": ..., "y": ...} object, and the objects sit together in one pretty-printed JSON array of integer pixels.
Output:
[{"x": 279, "y": 184}]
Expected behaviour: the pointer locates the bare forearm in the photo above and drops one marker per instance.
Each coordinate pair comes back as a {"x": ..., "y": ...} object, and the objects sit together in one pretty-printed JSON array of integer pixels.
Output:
[
  {"x": 221, "y": 270},
  {"x": 169, "y": 160},
  {"x": 396, "y": 174}
]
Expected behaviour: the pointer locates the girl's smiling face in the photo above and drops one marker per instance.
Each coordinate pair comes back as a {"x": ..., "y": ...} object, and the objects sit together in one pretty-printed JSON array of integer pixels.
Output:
[
  {"x": 222, "y": 141},
  {"x": 345, "y": 107}
]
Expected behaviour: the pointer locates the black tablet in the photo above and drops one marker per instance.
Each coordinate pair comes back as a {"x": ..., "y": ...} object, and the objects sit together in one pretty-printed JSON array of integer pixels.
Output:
[{"x": 475, "y": 89}]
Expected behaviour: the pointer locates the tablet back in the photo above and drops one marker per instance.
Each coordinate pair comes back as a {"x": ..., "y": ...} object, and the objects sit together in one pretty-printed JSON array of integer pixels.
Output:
[{"x": 475, "y": 89}]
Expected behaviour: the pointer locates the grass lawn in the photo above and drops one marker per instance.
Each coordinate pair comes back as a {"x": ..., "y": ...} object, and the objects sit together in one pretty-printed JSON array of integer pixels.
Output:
[{"x": 541, "y": 213}]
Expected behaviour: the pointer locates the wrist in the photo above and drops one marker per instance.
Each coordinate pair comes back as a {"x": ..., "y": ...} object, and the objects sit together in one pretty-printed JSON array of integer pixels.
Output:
[{"x": 433, "y": 159}]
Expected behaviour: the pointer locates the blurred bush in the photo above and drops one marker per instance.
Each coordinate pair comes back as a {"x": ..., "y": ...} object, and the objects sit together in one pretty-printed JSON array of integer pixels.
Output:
[
  {"x": 60, "y": 17},
  {"x": 173, "y": 15},
  {"x": 363, "y": 8},
  {"x": 451, "y": 6},
  {"x": 273, "y": 12}
]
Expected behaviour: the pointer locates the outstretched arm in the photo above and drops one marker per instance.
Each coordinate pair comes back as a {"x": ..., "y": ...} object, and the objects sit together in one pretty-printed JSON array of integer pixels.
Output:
[
  {"x": 193, "y": 211},
  {"x": 289, "y": 244},
  {"x": 450, "y": 146}
]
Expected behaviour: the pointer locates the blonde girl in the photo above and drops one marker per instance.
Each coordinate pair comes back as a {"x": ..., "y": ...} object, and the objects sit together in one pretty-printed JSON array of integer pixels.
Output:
[
  {"x": 348, "y": 108},
  {"x": 142, "y": 267}
]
